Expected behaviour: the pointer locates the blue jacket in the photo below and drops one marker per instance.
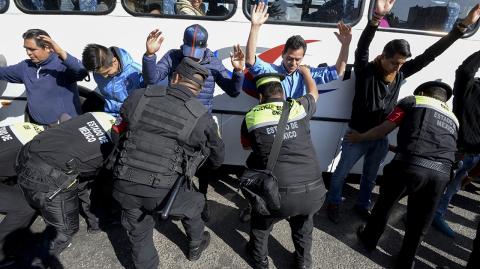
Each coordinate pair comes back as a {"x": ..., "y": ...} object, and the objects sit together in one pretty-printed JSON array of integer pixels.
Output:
[
  {"x": 51, "y": 86},
  {"x": 217, "y": 73},
  {"x": 115, "y": 89}
]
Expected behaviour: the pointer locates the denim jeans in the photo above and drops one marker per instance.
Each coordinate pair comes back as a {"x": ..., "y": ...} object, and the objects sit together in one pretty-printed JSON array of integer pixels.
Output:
[
  {"x": 469, "y": 161},
  {"x": 374, "y": 152}
]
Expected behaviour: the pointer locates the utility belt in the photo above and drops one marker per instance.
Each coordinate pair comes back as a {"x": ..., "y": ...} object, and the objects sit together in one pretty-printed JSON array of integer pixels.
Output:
[
  {"x": 42, "y": 176},
  {"x": 151, "y": 179},
  {"x": 426, "y": 163},
  {"x": 301, "y": 188}
]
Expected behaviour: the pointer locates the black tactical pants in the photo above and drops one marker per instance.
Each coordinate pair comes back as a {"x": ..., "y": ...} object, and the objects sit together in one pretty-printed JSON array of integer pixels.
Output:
[
  {"x": 474, "y": 261},
  {"x": 424, "y": 188},
  {"x": 298, "y": 210},
  {"x": 19, "y": 215},
  {"x": 138, "y": 219},
  {"x": 60, "y": 214}
]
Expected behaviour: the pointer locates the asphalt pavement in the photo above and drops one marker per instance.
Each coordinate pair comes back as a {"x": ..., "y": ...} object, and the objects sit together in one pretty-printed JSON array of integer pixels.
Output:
[{"x": 334, "y": 245}]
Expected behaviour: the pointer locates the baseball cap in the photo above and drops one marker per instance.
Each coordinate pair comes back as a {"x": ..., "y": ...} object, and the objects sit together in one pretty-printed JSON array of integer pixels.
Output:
[
  {"x": 194, "y": 41},
  {"x": 435, "y": 85}
]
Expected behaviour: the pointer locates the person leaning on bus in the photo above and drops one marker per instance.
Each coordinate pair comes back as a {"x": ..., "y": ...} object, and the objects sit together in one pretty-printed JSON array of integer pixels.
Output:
[
  {"x": 50, "y": 77},
  {"x": 115, "y": 73},
  {"x": 292, "y": 56},
  {"x": 377, "y": 86},
  {"x": 299, "y": 179}
]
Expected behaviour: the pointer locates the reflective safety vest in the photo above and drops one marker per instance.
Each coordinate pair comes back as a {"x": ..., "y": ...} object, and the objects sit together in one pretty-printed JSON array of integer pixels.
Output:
[
  {"x": 154, "y": 150},
  {"x": 428, "y": 130}
]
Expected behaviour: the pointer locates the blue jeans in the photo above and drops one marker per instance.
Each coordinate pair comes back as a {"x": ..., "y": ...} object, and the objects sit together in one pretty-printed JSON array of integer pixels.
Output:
[
  {"x": 469, "y": 161},
  {"x": 375, "y": 152}
]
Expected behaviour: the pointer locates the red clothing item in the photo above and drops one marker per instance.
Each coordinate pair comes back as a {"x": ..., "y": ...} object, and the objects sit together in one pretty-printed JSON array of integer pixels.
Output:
[{"x": 396, "y": 116}]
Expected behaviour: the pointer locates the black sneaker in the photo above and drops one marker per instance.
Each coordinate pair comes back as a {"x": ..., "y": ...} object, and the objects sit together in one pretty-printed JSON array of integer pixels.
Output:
[
  {"x": 333, "y": 213},
  {"x": 205, "y": 213},
  {"x": 362, "y": 239},
  {"x": 194, "y": 253},
  {"x": 362, "y": 212},
  {"x": 256, "y": 264}
]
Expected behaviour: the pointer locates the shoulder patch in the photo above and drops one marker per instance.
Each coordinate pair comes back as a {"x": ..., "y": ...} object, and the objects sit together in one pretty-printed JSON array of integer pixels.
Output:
[
  {"x": 155, "y": 90},
  {"x": 195, "y": 107}
]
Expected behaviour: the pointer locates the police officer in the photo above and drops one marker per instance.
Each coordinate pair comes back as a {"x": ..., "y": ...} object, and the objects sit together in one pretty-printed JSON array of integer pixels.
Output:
[
  {"x": 18, "y": 214},
  {"x": 167, "y": 131},
  {"x": 49, "y": 166},
  {"x": 297, "y": 170},
  {"x": 420, "y": 169}
]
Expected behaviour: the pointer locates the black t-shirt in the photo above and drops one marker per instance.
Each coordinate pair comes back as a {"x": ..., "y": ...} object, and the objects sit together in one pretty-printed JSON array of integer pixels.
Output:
[{"x": 297, "y": 162}]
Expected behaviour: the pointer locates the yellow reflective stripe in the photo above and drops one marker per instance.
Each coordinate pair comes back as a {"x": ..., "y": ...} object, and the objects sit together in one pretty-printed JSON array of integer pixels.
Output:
[
  {"x": 25, "y": 131},
  {"x": 264, "y": 80},
  {"x": 269, "y": 114},
  {"x": 432, "y": 103},
  {"x": 106, "y": 120}
]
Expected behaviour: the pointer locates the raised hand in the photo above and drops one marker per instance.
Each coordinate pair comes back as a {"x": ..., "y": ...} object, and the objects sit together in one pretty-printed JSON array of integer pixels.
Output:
[
  {"x": 54, "y": 46},
  {"x": 237, "y": 58},
  {"x": 154, "y": 42},
  {"x": 259, "y": 14},
  {"x": 344, "y": 34},
  {"x": 383, "y": 7},
  {"x": 472, "y": 16}
]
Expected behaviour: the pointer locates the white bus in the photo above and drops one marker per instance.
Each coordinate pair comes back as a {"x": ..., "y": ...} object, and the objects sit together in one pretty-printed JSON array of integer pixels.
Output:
[{"x": 126, "y": 24}]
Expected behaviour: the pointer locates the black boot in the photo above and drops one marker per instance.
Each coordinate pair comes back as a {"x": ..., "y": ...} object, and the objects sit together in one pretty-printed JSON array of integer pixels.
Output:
[{"x": 195, "y": 252}]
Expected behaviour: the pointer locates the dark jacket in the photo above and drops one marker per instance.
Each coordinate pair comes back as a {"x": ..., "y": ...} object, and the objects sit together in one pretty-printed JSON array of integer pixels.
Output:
[
  {"x": 51, "y": 86},
  {"x": 466, "y": 104},
  {"x": 374, "y": 98},
  {"x": 154, "y": 73}
]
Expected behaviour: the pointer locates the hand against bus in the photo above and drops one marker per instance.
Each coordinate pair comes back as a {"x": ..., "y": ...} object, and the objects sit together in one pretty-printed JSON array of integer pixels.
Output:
[
  {"x": 353, "y": 137},
  {"x": 344, "y": 34},
  {"x": 472, "y": 16},
  {"x": 259, "y": 14},
  {"x": 154, "y": 42},
  {"x": 237, "y": 58},
  {"x": 383, "y": 7},
  {"x": 54, "y": 46}
]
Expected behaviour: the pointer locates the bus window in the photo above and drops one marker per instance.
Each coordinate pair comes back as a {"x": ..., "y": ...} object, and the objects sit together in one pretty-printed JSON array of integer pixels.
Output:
[
  {"x": 311, "y": 11},
  {"x": 428, "y": 15},
  {"x": 3, "y": 6},
  {"x": 202, "y": 9},
  {"x": 66, "y": 6}
]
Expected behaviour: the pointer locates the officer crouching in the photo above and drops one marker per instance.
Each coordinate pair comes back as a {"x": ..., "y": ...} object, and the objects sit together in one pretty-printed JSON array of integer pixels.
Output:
[
  {"x": 48, "y": 168},
  {"x": 420, "y": 169},
  {"x": 297, "y": 168},
  {"x": 167, "y": 133}
]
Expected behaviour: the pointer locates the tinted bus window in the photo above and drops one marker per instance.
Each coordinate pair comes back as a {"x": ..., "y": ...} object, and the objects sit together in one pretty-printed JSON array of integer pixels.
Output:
[
  {"x": 66, "y": 6},
  {"x": 428, "y": 15},
  {"x": 207, "y": 9},
  {"x": 311, "y": 11},
  {"x": 3, "y": 5}
]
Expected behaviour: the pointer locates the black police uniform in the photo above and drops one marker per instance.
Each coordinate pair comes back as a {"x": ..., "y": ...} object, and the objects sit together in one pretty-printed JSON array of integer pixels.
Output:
[
  {"x": 421, "y": 169},
  {"x": 166, "y": 131},
  {"x": 51, "y": 163},
  {"x": 297, "y": 170},
  {"x": 18, "y": 213}
]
